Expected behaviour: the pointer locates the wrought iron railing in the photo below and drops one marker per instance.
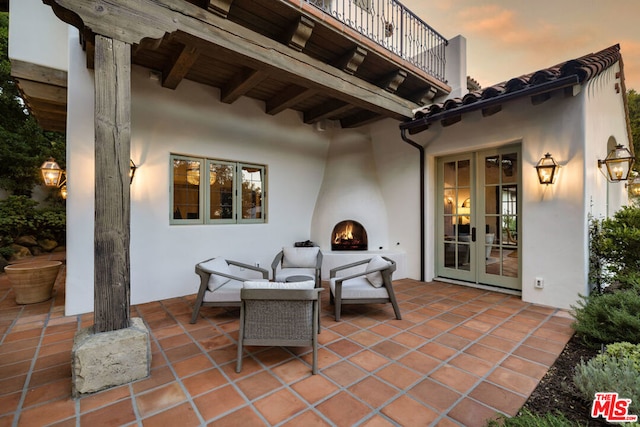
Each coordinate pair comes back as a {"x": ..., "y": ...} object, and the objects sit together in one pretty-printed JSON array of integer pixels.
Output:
[{"x": 394, "y": 27}]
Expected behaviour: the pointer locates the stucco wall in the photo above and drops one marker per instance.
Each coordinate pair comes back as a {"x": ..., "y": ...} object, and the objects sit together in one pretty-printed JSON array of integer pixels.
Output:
[
  {"x": 30, "y": 46},
  {"x": 603, "y": 106},
  {"x": 189, "y": 120},
  {"x": 554, "y": 220}
]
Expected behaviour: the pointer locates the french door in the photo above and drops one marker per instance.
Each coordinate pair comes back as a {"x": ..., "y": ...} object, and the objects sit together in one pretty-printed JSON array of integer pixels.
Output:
[{"x": 478, "y": 217}]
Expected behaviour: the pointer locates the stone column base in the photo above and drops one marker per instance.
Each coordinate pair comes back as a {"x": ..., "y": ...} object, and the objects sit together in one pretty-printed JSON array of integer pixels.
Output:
[{"x": 109, "y": 359}]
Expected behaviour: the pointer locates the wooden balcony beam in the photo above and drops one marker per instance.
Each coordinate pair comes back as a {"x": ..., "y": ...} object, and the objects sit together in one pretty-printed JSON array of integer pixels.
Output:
[
  {"x": 180, "y": 66},
  {"x": 300, "y": 33},
  {"x": 133, "y": 20},
  {"x": 326, "y": 111},
  {"x": 241, "y": 84},
  {"x": 287, "y": 99}
]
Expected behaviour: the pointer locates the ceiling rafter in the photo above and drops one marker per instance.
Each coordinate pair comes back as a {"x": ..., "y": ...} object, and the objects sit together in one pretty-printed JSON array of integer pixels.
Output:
[
  {"x": 287, "y": 99},
  {"x": 178, "y": 69},
  {"x": 241, "y": 84},
  {"x": 326, "y": 110}
]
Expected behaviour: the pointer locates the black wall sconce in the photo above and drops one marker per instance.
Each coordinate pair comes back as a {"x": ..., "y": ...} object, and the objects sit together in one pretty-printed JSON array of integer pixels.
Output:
[
  {"x": 634, "y": 186},
  {"x": 547, "y": 169},
  {"x": 132, "y": 170},
  {"x": 54, "y": 176},
  {"x": 619, "y": 162}
]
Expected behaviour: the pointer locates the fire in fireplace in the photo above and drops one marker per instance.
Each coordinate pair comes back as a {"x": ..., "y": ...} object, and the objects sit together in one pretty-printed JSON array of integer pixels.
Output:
[{"x": 349, "y": 236}]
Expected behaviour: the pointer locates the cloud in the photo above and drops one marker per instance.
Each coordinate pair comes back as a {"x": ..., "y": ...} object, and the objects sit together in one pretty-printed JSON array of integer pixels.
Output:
[
  {"x": 631, "y": 56},
  {"x": 508, "y": 29}
]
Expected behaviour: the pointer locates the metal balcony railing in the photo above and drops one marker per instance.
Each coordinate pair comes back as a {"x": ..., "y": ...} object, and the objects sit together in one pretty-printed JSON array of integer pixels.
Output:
[{"x": 394, "y": 27}]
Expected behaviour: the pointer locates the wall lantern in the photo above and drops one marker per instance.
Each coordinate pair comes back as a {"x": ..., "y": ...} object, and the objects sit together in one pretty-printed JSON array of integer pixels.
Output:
[
  {"x": 52, "y": 174},
  {"x": 132, "y": 170},
  {"x": 547, "y": 169},
  {"x": 634, "y": 186},
  {"x": 619, "y": 162}
]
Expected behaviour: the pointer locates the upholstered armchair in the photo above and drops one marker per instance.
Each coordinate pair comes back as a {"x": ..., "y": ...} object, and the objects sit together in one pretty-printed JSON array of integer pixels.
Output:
[
  {"x": 220, "y": 283},
  {"x": 372, "y": 284},
  {"x": 297, "y": 261},
  {"x": 279, "y": 314}
]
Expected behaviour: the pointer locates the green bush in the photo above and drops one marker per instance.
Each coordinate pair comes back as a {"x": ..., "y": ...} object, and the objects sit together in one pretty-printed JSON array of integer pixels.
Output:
[
  {"x": 615, "y": 242},
  {"x": 608, "y": 318},
  {"x": 527, "y": 419},
  {"x": 17, "y": 216},
  {"x": 20, "y": 216},
  {"x": 607, "y": 373},
  {"x": 623, "y": 350},
  {"x": 628, "y": 280}
]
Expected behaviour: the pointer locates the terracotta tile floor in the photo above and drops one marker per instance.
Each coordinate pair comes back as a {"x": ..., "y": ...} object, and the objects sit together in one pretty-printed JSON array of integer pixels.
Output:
[{"x": 459, "y": 357}]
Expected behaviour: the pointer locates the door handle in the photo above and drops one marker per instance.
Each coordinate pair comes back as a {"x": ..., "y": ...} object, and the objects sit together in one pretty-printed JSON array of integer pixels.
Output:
[{"x": 473, "y": 234}]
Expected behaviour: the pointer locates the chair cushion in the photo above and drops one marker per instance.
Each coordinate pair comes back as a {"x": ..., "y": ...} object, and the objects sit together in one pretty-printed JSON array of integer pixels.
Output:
[
  {"x": 309, "y": 284},
  {"x": 228, "y": 292},
  {"x": 281, "y": 275},
  {"x": 375, "y": 278},
  {"x": 359, "y": 288},
  {"x": 220, "y": 265},
  {"x": 300, "y": 257}
]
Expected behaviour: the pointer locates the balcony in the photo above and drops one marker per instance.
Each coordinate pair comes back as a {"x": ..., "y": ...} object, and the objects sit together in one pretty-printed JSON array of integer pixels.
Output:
[
  {"x": 349, "y": 61},
  {"x": 394, "y": 27}
]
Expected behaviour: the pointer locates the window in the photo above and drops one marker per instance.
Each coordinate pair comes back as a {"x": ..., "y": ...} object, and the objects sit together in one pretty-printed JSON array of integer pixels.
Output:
[{"x": 208, "y": 191}]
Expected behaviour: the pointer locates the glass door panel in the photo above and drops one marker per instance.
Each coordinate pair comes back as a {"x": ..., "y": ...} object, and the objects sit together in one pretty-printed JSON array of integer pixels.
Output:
[
  {"x": 479, "y": 211},
  {"x": 500, "y": 180},
  {"x": 455, "y": 248}
]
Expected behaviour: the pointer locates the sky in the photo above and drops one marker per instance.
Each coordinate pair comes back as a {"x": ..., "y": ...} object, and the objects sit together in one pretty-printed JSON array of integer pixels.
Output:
[{"x": 510, "y": 38}]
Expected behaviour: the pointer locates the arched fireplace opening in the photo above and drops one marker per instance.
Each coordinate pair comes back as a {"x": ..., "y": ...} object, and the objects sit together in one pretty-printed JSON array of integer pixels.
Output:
[{"x": 349, "y": 235}]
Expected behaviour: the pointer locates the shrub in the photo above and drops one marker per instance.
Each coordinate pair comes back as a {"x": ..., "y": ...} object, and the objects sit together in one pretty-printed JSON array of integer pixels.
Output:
[
  {"x": 623, "y": 350},
  {"x": 619, "y": 242},
  {"x": 20, "y": 216},
  {"x": 527, "y": 419},
  {"x": 608, "y": 318},
  {"x": 607, "y": 373},
  {"x": 17, "y": 216}
]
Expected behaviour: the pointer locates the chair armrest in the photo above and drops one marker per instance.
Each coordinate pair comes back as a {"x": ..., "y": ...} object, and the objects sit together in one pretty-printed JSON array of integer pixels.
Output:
[
  {"x": 277, "y": 260},
  {"x": 333, "y": 271},
  {"x": 265, "y": 273},
  {"x": 391, "y": 267},
  {"x": 319, "y": 260},
  {"x": 205, "y": 272}
]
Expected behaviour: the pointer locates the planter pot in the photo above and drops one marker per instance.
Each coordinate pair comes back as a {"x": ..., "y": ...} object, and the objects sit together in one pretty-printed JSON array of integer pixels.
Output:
[{"x": 33, "y": 282}]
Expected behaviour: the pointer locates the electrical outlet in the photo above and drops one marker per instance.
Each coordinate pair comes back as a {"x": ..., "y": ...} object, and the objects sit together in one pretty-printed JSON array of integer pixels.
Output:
[{"x": 539, "y": 283}]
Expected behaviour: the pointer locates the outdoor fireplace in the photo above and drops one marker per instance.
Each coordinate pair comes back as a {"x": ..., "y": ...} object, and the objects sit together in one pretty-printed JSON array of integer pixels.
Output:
[{"x": 349, "y": 236}]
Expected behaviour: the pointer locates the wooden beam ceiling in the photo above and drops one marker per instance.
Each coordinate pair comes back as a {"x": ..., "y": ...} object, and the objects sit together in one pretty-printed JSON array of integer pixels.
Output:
[{"x": 296, "y": 61}]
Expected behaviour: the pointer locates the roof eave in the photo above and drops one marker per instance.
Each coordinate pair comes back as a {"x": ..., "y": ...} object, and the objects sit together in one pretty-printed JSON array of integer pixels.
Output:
[{"x": 560, "y": 83}]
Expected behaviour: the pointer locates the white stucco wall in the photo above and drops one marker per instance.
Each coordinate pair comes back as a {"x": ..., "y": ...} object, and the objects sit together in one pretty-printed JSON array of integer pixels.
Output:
[
  {"x": 604, "y": 107},
  {"x": 189, "y": 120},
  {"x": 554, "y": 217},
  {"x": 28, "y": 45}
]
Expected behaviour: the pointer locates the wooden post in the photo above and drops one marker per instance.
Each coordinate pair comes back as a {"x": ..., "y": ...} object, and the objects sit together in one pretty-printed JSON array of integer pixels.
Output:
[{"x": 112, "y": 202}]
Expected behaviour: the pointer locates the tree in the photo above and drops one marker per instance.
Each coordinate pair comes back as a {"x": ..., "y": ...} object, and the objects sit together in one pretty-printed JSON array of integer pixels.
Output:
[
  {"x": 24, "y": 146},
  {"x": 633, "y": 99}
]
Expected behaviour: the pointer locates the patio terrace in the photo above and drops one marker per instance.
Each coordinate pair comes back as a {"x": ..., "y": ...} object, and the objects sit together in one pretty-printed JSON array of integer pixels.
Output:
[{"x": 458, "y": 357}]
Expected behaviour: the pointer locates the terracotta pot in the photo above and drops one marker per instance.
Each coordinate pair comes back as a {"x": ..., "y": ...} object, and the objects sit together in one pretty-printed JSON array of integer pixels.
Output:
[{"x": 33, "y": 281}]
